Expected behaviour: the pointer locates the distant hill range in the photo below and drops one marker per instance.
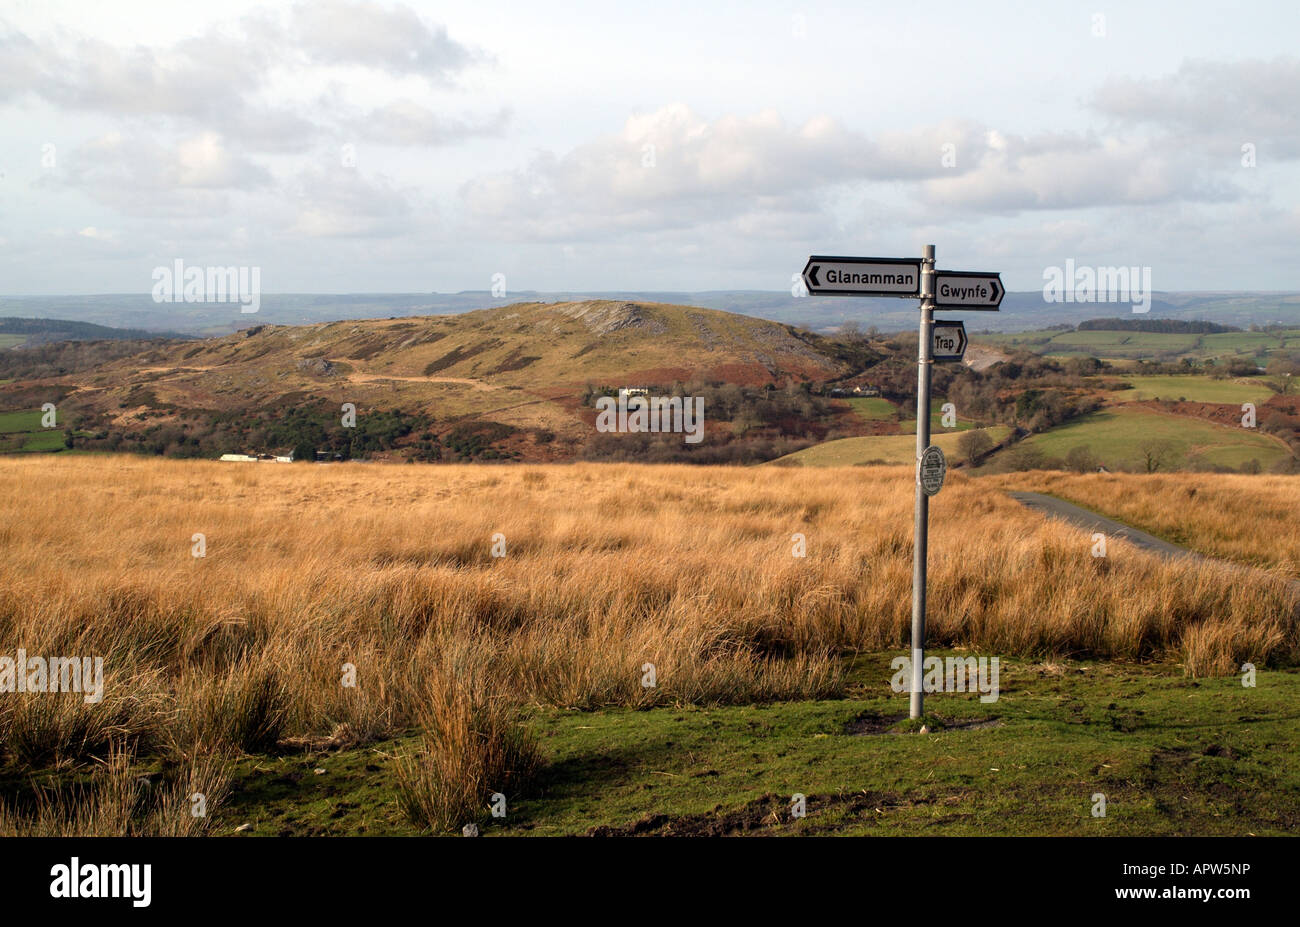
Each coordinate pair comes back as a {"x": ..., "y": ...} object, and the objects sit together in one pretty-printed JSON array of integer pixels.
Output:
[
  {"x": 27, "y": 332},
  {"x": 1019, "y": 311}
]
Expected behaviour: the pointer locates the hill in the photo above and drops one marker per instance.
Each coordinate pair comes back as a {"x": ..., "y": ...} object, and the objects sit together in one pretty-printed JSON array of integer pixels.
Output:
[
  {"x": 518, "y": 381},
  {"x": 524, "y": 382}
]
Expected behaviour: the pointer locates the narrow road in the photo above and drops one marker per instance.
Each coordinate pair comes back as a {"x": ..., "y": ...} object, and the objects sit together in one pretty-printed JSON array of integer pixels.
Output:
[
  {"x": 1092, "y": 522},
  {"x": 378, "y": 377}
]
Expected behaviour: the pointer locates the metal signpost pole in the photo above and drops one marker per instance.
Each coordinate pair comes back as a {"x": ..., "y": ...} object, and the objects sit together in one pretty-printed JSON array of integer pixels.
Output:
[{"x": 919, "y": 536}]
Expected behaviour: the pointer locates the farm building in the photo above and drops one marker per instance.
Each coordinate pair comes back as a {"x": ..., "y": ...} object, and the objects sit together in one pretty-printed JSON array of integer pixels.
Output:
[{"x": 280, "y": 456}]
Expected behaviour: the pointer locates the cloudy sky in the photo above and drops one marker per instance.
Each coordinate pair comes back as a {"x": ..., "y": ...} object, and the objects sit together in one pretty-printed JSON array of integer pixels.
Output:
[{"x": 355, "y": 146}]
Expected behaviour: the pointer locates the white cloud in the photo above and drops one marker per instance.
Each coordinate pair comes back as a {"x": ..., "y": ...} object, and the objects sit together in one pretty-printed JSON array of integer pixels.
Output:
[
  {"x": 226, "y": 78},
  {"x": 338, "y": 202},
  {"x": 394, "y": 40},
  {"x": 98, "y": 234},
  {"x": 137, "y": 174},
  {"x": 1214, "y": 106},
  {"x": 403, "y": 122},
  {"x": 674, "y": 168},
  {"x": 1057, "y": 172}
]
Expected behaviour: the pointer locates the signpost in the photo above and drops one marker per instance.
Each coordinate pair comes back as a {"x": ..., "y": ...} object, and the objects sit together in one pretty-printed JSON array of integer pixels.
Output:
[
  {"x": 949, "y": 341},
  {"x": 939, "y": 341}
]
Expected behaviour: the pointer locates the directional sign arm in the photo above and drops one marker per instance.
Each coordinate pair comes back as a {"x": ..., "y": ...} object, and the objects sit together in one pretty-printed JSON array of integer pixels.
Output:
[
  {"x": 862, "y": 276},
  {"x": 948, "y": 341},
  {"x": 962, "y": 289}
]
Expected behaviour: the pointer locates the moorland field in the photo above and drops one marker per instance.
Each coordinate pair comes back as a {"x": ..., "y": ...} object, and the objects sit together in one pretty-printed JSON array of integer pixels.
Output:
[{"x": 368, "y": 647}]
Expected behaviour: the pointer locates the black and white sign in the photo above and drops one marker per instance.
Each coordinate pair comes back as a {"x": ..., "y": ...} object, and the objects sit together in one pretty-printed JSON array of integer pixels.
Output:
[
  {"x": 963, "y": 289},
  {"x": 931, "y": 469},
  {"x": 948, "y": 341},
  {"x": 863, "y": 276}
]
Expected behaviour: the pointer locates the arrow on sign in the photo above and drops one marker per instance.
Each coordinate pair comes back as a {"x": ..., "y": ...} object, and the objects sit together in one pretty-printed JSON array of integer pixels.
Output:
[
  {"x": 948, "y": 341},
  {"x": 961, "y": 289},
  {"x": 863, "y": 276}
]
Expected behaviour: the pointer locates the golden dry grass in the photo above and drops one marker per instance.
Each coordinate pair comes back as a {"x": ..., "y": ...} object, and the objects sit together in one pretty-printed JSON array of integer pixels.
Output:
[{"x": 608, "y": 567}]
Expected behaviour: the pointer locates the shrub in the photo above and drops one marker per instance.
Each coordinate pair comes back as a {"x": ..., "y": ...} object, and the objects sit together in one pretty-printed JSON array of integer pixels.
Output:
[
  {"x": 974, "y": 445},
  {"x": 1025, "y": 457},
  {"x": 1081, "y": 459}
]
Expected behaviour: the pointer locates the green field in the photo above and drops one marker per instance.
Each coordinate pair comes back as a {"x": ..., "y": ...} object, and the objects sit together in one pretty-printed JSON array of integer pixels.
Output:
[
  {"x": 884, "y": 449},
  {"x": 12, "y": 341},
  {"x": 1253, "y": 347},
  {"x": 1124, "y": 344},
  {"x": 1116, "y": 437},
  {"x": 20, "y": 421},
  {"x": 873, "y": 408},
  {"x": 1173, "y": 755},
  {"x": 22, "y": 431},
  {"x": 1255, "y": 344},
  {"x": 1195, "y": 388}
]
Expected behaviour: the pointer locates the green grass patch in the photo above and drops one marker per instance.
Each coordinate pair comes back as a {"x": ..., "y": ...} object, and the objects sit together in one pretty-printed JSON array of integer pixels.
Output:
[
  {"x": 1245, "y": 343},
  {"x": 1091, "y": 339},
  {"x": 22, "y": 431},
  {"x": 1255, "y": 347},
  {"x": 11, "y": 422},
  {"x": 1116, "y": 437},
  {"x": 1172, "y": 755},
  {"x": 885, "y": 449},
  {"x": 1195, "y": 388},
  {"x": 873, "y": 408},
  {"x": 48, "y": 440},
  {"x": 1120, "y": 344}
]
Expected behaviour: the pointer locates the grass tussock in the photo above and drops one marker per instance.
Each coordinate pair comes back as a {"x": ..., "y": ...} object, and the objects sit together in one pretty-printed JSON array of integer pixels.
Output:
[
  {"x": 117, "y": 799},
  {"x": 474, "y": 747}
]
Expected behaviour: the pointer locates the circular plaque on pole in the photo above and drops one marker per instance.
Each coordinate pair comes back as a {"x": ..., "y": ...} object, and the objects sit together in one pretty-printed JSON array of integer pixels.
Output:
[{"x": 931, "y": 470}]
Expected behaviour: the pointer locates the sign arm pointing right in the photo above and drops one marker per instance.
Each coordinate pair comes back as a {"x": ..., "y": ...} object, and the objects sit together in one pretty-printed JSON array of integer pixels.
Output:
[{"x": 964, "y": 289}]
